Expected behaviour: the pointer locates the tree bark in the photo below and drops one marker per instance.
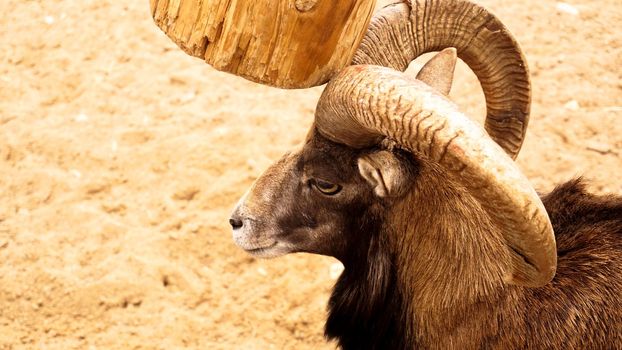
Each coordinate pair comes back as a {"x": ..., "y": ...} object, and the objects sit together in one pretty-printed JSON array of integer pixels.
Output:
[{"x": 283, "y": 43}]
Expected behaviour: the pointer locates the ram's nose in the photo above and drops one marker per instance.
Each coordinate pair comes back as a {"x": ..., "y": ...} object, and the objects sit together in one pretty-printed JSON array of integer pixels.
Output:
[
  {"x": 236, "y": 222},
  {"x": 237, "y": 218}
]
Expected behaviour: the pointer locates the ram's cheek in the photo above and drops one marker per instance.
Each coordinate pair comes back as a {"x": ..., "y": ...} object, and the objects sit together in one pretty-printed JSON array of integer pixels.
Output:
[{"x": 318, "y": 240}]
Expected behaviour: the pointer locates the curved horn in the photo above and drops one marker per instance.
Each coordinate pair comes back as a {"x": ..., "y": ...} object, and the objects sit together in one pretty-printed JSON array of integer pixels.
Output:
[
  {"x": 401, "y": 32},
  {"x": 365, "y": 104}
]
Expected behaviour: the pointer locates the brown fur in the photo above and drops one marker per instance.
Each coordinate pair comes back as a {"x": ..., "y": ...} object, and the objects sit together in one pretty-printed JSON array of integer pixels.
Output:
[{"x": 423, "y": 271}]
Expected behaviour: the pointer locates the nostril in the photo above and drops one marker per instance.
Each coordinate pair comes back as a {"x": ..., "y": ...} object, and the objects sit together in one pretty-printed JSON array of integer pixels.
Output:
[{"x": 236, "y": 223}]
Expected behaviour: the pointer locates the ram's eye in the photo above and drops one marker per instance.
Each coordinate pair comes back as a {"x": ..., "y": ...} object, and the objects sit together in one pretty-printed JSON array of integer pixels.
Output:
[{"x": 326, "y": 188}]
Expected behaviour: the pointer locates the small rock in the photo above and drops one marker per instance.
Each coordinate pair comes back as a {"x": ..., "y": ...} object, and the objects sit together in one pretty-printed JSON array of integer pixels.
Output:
[
  {"x": 221, "y": 130},
  {"x": 599, "y": 147},
  {"x": 572, "y": 105},
  {"x": 614, "y": 109},
  {"x": 335, "y": 270},
  {"x": 96, "y": 187},
  {"x": 113, "y": 207},
  {"x": 175, "y": 235},
  {"x": 194, "y": 227},
  {"x": 186, "y": 194},
  {"x": 177, "y": 80},
  {"x": 185, "y": 98},
  {"x": 567, "y": 8},
  {"x": 81, "y": 118},
  {"x": 49, "y": 20},
  {"x": 262, "y": 271}
]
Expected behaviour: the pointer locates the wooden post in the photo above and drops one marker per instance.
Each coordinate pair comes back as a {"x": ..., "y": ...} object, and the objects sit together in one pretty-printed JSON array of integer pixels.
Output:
[{"x": 283, "y": 43}]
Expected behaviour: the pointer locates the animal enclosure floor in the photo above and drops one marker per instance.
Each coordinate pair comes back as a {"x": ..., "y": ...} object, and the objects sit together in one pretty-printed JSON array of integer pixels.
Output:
[{"x": 121, "y": 158}]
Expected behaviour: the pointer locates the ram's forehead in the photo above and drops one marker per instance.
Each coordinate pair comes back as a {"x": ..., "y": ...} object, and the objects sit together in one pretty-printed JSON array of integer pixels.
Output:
[{"x": 323, "y": 157}]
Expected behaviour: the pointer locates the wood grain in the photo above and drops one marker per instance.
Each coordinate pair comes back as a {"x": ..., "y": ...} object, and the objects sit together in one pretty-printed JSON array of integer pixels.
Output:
[{"x": 286, "y": 43}]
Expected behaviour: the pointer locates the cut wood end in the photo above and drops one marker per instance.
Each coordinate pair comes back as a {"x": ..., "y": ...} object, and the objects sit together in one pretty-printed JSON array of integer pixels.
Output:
[{"x": 305, "y": 5}]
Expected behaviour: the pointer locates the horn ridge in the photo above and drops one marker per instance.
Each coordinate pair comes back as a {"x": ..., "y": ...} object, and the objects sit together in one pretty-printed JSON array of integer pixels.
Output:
[{"x": 401, "y": 32}]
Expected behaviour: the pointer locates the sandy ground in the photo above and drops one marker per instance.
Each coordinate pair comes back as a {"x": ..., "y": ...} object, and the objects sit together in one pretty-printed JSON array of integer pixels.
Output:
[{"x": 121, "y": 158}]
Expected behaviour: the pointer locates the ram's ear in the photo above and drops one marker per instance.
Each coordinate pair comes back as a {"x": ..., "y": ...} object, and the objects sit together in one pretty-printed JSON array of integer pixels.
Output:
[
  {"x": 439, "y": 71},
  {"x": 386, "y": 173}
]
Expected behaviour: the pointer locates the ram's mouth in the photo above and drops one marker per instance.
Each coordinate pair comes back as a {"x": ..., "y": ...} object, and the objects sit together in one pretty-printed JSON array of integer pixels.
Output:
[
  {"x": 256, "y": 251},
  {"x": 257, "y": 247},
  {"x": 272, "y": 250}
]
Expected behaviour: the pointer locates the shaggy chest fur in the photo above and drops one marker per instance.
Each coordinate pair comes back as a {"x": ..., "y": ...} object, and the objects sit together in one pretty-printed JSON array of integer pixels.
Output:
[
  {"x": 362, "y": 321},
  {"x": 580, "y": 309}
]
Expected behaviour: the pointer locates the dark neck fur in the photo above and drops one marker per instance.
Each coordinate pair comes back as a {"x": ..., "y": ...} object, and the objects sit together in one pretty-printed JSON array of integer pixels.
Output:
[{"x": 365, "y": 299}]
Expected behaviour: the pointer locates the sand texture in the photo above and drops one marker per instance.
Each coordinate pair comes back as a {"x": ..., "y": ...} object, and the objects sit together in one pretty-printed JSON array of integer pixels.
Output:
[{"x": 121, "y": 158}]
